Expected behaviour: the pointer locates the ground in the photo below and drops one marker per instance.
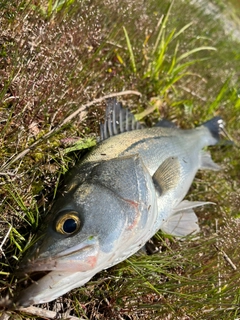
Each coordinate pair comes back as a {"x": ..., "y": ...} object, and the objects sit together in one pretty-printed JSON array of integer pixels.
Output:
[{"x": 183, "y": 58}]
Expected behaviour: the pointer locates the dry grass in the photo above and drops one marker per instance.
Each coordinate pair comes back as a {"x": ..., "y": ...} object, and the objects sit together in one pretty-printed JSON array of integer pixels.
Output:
[{"x": 51, "y": 63}]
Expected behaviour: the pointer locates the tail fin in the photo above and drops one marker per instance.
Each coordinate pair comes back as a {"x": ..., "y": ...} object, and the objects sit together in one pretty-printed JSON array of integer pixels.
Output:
[{"x": 215, "y": 126}]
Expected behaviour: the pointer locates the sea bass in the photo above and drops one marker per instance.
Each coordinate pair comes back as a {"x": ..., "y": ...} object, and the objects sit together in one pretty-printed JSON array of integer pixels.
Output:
[{"x": 127, "y": 188}]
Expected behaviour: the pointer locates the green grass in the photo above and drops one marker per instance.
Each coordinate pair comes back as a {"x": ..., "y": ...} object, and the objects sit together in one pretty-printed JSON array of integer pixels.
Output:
[
  {"x": 57, "y": 56},
  {"x": 165, "y": 67}
]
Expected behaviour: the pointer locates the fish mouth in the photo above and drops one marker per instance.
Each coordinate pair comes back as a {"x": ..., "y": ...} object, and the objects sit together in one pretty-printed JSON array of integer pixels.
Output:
[
  {"x": 44, "y": 278},
  {"x": 49, "y": 287},
  {"x": 79, "y": 258}
]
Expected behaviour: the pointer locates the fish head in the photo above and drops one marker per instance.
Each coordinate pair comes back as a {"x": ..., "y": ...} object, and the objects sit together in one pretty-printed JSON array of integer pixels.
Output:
[
  {"x": 90, "y": 227},
  {"x": 82, "y": 224}
]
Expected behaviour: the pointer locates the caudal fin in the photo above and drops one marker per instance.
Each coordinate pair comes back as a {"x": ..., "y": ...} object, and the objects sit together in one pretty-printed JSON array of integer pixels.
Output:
[{"x": 215, "y": 126}]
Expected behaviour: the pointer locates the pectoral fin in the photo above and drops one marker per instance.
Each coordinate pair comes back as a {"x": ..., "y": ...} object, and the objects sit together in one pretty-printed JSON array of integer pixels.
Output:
[
  {"x": 183, "y": 221},
  {"x": 167, "y": 175}
]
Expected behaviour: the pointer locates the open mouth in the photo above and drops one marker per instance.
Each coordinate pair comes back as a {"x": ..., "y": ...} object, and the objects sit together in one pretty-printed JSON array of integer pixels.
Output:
[
  {"x": 36, "y": 275},
  {"x": 25, "y": 282},
  {"x": 81, "y": 257},
  {"x": 43, "y": 276},
  {"x": 43, "y": 287},
  {"x": 26, "y": 279}
]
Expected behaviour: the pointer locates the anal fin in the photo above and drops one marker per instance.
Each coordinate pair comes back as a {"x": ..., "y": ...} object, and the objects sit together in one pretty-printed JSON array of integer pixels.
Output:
[
  {"x": 181, "y": 224},
  {"x": 183, "y": 221},
  {"x": 208, "y": 163}
]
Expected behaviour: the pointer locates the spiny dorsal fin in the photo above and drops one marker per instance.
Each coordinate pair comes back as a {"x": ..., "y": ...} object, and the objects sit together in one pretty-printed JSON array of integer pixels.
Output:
[
  {"x": 167, "y": 175},
  {"x": 117, "y": 120}
]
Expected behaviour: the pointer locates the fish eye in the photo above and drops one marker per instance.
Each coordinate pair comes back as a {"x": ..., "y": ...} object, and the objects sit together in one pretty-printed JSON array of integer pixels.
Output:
[{"x": 68, "y": 223}]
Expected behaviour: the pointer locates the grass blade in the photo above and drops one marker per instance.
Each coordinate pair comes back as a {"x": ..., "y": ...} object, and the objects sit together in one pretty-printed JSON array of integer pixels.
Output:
[
  {"x": 133, "y": 64},
  {"x": 163, "y": 25},
  {"x": 182, "y": 30},
  {"x": 187, "y": 54}
]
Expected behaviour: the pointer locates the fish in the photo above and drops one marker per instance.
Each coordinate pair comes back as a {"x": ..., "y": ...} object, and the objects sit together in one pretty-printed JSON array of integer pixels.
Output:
[{"x": 129, "y": 186}]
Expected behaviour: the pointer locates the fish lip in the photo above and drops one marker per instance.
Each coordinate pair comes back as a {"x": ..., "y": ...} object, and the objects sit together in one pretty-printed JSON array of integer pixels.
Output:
[
  {"x": 76, "y": 248},
  {"x": 80, "y": 257}
]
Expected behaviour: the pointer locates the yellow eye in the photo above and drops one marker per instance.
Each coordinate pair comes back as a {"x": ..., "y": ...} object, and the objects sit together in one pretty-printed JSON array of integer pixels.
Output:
[{"x": 68, "y": 223}]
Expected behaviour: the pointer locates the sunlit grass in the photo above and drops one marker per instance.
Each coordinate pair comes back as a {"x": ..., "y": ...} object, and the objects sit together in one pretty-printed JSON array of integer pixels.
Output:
[
  {"x": 50, "y": 8},
  {"x": 164, "y": 67},
  {"x": 59, "y": 55}
]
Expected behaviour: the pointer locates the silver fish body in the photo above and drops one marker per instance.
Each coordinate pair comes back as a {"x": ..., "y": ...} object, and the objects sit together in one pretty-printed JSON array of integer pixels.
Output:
[{"x": 127, "y": 188}]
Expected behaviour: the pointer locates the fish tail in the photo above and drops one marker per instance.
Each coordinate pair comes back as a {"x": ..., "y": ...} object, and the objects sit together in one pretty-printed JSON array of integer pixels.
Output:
[{"x": 215, "y": 127}]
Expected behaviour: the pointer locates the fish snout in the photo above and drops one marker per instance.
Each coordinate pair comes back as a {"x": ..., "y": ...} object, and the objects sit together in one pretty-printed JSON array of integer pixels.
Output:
[{"x": 80, "y": 257}]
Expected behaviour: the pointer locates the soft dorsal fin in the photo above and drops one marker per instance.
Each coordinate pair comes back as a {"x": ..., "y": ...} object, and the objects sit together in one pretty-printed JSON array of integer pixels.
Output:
[
  {"x": 164, "y": 123},
  {"x": 167, "y": 175},
  {"x": 117, "y": 120}
]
